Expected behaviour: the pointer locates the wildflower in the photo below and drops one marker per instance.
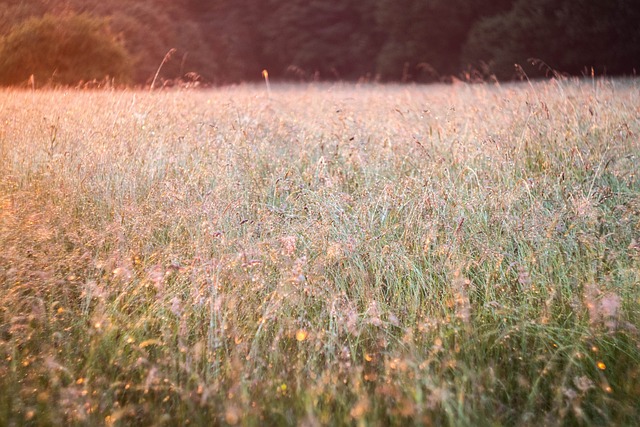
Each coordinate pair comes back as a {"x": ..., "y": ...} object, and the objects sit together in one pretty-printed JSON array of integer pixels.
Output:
[
  {"x": 301, "y": 335},
  {"x": 523, "y": 277},
  {"x": 360, "y": 408},
  {"x": 232, "y": 416},
  {"x": 583, "y": 383},
  {"x": 175, "y": 307},
  {"x": 288, "y": 245},
  {"x": 609, "y": 305},
  {"x": 122, "y": 273},
  {"x": 156, "y": 275},
  {"x": 374, "y": 314},
  {"x": 462, "y": 303},
  {"x": 334, "y": 251},
  {"x": 605, "y": 310}
]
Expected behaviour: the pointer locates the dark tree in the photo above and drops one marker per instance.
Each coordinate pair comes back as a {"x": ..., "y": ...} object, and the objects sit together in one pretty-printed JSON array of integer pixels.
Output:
[
  {"x": 329, "y": 40},
  {"x": 559, "y": 36},
  {"x": 226, "y": 41},
  {"x": 424, "y": 38}
]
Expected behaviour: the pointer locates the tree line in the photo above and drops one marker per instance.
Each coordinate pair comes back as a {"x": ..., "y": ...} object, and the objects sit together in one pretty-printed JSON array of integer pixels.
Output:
[{"x": 227, "y": 41}]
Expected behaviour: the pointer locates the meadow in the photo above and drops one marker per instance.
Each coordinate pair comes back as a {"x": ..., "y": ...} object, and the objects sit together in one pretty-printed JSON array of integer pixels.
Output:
[{"x": 461, "y": 255}]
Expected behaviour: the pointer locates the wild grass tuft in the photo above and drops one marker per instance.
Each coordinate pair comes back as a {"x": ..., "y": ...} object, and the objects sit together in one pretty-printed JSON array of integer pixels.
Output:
[{"x": 461, "y": 255}]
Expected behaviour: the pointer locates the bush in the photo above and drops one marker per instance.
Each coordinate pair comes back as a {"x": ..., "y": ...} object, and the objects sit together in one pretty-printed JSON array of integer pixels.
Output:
[{"x": 62, "y": 50}]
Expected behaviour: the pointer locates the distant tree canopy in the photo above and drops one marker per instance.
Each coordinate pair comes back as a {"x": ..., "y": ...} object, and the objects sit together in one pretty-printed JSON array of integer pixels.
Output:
[
  {"x": 334, "y": 40},
  {"x": 62, "y": 50},
  {"x": 226, "y": 41},
  {"x": 569, "y": 36}
]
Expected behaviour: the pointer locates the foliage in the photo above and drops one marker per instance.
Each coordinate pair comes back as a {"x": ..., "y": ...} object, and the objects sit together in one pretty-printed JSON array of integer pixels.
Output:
[
  {"x": 327, "y": 41},
  {"x": 151, "y": 28},
  {"x": 62, "y": 50},
  {"x": 425, "y": 38},
  {"x": 568, "y": 36},
  {"x": 233, "y": 31},
  {"x": 225, "y": 41},
  {"x": 329, "y": 255}
]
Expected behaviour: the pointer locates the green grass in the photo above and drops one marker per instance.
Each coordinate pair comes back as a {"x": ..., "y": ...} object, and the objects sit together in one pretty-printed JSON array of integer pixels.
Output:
[{"x": 377, "y": 255}]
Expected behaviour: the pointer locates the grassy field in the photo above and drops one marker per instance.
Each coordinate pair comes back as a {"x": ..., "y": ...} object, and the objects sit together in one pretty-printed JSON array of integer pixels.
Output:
[{"x": 378, "y": 255}]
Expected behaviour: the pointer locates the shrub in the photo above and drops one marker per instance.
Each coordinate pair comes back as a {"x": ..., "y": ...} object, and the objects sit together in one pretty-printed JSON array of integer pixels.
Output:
[{"x": 62, "y": 50}]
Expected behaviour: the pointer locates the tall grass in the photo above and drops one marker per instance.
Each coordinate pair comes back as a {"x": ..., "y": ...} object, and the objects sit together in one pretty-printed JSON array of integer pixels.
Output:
[{"x": 381, "y": 255}]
